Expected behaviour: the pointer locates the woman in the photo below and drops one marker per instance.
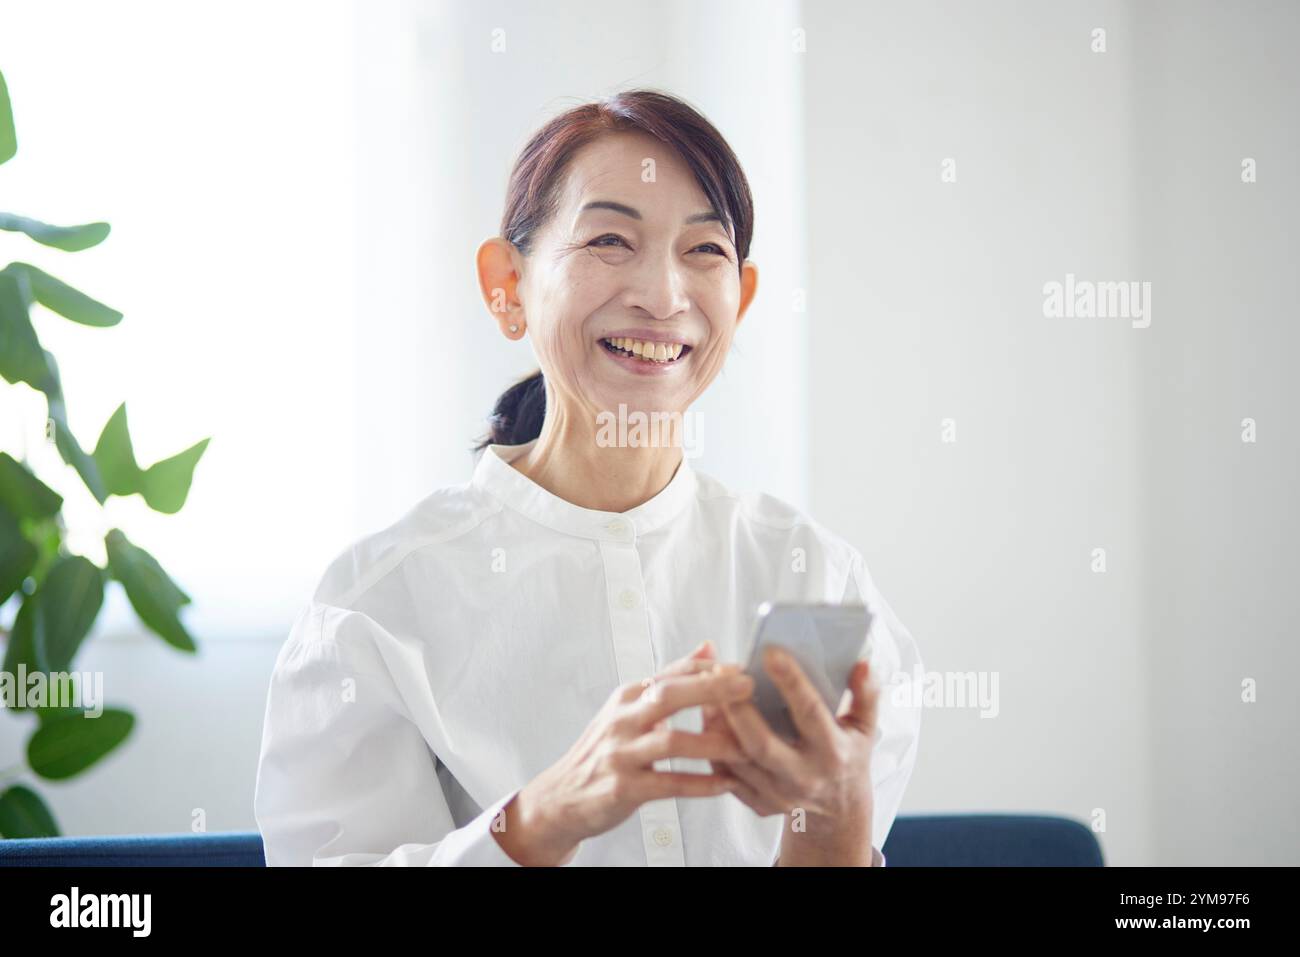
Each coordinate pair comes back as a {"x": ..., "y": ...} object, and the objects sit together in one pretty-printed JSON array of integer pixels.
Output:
[{"x": 529, "y": 668}]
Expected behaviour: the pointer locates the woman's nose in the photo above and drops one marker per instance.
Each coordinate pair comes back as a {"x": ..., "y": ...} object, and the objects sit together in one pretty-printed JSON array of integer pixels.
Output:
[{"x": 659, "y": 288}]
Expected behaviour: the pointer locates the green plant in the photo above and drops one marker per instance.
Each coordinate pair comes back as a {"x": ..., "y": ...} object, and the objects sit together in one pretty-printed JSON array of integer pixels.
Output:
[{"x": 59, "y": 594}]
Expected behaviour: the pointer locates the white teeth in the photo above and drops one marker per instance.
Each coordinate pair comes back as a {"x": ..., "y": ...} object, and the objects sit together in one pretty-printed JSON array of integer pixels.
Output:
[{"x": 649, "y": 351}]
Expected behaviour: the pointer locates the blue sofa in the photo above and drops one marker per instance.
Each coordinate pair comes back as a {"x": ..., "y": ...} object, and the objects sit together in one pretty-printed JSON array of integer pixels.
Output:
[{"x": 917, "y": 840}]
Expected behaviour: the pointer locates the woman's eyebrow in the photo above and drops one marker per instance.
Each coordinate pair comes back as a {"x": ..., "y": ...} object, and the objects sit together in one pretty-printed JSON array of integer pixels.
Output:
[{"x": 705, "y": 217}]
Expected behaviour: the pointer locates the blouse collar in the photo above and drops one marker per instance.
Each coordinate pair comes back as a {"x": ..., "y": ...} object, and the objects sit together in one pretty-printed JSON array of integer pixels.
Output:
[{"x": 495, "y": 475}]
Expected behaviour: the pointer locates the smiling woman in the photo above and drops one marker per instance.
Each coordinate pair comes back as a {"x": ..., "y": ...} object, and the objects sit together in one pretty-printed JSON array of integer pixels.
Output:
[
  {"x": 538, "y": 666},
  {"x": 662, "y": 155}
]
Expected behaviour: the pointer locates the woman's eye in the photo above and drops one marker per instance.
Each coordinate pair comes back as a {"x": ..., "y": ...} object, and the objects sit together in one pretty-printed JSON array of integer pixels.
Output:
[
  {"x": 609, "y": 240},
  {"x": 718, "y": 249}
]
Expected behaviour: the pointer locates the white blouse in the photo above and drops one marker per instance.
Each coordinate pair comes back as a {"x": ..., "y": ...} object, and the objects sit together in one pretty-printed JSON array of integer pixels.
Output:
[{"x": 445, "y": 661}]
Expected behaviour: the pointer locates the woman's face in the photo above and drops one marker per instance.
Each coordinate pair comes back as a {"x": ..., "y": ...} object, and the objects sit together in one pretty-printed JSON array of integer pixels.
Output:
[{"x": 634, "y": 260}]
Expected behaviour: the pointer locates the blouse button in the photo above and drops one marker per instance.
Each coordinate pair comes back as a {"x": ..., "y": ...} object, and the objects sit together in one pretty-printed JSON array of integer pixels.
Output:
[
  {"x": 662, "y": 836},
  {"x": 629, "y": 598},
  {"x": 618, "y": 526}
]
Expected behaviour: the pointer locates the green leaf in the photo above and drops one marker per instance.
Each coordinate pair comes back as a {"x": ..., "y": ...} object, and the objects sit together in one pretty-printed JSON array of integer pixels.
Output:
[
  {"x": 154, "y": 596},
  {"x": 8, "y": 139},
  {"x": 167, "y": 482},
  {"x": 69, "y": 448},
  {"x": 22, "y": 648},
  {"x": 164, "y": 485},
  {"x": 58, "y": 296},
  {"x": 49, "y": 714},
  {"x": 66, "y": 746},
  {"x": 47, "y": 535},
  {"x": 70, "y": 239},
  {"x": 115, "y": 457},
  {"x": 17, "y": 555},
  {"x": 24, "y": 814},
  {"x": 23, "y": 493},
  {"x": 70, "y": 599},
  {"x": 21, "y": 356}
]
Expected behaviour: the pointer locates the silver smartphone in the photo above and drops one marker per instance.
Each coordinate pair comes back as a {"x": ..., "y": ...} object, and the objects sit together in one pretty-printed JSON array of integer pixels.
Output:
[{"x": 825, "y": 639}]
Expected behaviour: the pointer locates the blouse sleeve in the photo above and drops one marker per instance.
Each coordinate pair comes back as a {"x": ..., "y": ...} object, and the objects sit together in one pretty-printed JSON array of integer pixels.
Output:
[
  {"x": 896, "y": 665},
  {"x": 345, "y": 778}
]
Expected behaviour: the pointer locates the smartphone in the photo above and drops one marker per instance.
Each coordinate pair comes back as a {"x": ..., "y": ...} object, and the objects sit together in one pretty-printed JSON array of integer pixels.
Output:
[{"x": 825, "y": 639}]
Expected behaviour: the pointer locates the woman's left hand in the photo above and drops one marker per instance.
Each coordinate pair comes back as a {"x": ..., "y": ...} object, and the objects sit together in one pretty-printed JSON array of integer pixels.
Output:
[{"x": 825, "y": 774}]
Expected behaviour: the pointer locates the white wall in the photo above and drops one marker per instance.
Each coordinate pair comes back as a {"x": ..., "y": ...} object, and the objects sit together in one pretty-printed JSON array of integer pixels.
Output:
[
  {"x": 1119, "y": 691},
  {"x": 1214, "y": 86}
]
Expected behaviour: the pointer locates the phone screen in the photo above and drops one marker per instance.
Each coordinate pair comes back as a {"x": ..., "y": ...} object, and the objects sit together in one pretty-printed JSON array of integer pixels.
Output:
[{"x": 826, "y": 640}]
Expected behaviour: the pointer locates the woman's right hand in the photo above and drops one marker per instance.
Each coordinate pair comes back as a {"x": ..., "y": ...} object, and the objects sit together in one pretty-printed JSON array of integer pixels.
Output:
[{"x": 609, "y": 773}]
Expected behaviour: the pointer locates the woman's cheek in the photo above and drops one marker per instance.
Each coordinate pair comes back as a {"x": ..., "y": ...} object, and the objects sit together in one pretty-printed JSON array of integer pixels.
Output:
[
  {"x": 718, "y": 358},
  {"x": 584, "y": 272}
]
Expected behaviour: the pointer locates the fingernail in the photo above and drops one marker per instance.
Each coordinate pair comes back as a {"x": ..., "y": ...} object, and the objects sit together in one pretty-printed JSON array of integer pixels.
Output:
[{"x": 777, "y": 662}]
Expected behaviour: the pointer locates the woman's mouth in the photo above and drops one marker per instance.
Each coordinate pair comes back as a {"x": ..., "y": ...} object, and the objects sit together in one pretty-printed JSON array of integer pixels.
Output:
[{"x": 645, "y": 353}]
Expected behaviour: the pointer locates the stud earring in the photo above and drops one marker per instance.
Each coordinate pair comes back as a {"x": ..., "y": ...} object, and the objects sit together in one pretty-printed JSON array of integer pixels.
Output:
[{"x": 513, "y": 327}]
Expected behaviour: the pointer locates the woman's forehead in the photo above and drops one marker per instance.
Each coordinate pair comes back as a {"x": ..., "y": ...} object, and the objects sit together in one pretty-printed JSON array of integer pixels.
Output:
[{"x": 639, "y": 172}]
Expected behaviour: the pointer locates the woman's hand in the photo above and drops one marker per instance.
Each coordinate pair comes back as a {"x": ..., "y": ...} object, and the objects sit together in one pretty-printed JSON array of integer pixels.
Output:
[
  {"x": 823, "y": 780},
  {"x": 609, "y": 773}
]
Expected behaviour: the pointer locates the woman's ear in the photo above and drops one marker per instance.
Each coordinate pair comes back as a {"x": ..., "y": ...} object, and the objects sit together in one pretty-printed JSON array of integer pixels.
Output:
[
  {"x": 748, "y": 287},
  {"x": 498, "y": 281}
]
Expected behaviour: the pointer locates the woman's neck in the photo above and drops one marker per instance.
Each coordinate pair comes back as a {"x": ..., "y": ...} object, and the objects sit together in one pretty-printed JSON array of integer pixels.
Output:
[{"x": 568, "y": 462}]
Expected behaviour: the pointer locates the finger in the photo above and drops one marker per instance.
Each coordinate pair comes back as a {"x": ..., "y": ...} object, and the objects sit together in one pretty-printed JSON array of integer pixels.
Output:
[
  {"x": 759, "y": 781},
  {"x": 669, "y": 695},
  {"x": 684, "y": 666},
  {"x": 676, "y": 743},
  {"x": 714, "y": 722},
  {"x": 653, "y": 785},
  {"x": 701, "y": 659},
  {"x": 698, "y": 662},
  {"x": 863, "y": 709},
  {"x": 704, "y": 651},
  {"x": 763, "y": 746},
  {"x": 814, "y": 720},
  {"x": 745, "y": 793},
  {"x": 707, "y": 652},
  {"x": 711, "y": 717}
]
